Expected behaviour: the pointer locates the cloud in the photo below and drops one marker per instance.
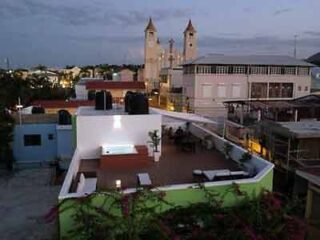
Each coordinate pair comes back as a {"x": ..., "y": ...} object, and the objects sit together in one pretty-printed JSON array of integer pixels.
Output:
[
  {"x": 282, "y": 11},
  {"x": 79, "y": 13},
  {"x": 258, "y": 45},
  {"x": 312, "y": 33}
]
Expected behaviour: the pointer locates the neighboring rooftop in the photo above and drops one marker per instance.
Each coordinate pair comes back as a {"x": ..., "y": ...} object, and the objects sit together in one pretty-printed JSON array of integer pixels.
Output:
[
  {"x": 175, "y": 167},
  {"x": 102, "y": 85},
  {"x": 84, "y": 80},
  {"x": 249, "y": 60},
  {"x": 91, "y": 111},
  {"x": 62, "y": 103},
  {"x": 308, "y": 129},
  {"x": 315, "y": 59}
]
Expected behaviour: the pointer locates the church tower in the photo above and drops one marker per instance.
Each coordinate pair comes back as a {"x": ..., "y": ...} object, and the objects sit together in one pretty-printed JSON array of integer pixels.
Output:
[
  {"x": 151, "y": 53},
  {"x": 190, "y": 43}
]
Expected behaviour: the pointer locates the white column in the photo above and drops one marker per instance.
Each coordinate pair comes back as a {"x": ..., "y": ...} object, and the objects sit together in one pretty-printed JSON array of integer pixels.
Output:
[{"x": 296, "y": 115}]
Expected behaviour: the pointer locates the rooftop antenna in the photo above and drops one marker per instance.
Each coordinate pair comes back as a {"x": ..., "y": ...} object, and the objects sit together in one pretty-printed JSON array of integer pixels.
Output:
[{"x": 295, "y": 46}]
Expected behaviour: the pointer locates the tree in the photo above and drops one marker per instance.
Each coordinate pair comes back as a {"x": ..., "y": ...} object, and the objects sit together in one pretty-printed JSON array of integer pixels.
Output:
[
  {"x": 6, "y": 138},
  {"x": 40, "y": 67}
]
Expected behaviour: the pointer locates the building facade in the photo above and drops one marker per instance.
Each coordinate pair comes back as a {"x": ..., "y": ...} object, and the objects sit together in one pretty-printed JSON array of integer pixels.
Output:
[
  {"x": 171, "y": 89},
  {"x": 157, "y": 57},
  {"x": 42, "y": 142},
  {"x": 210, "y": 80}
]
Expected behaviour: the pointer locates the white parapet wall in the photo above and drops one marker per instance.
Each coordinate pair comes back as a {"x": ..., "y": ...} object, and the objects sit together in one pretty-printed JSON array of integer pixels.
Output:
[
  {"x": 96, "y": 131},
  {"x": 261, "y": 165},
  {"x": 70, "y": 176}
]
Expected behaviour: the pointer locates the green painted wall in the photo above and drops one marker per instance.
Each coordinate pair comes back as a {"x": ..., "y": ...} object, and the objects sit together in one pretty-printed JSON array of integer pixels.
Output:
[{"x": 182, "y": 197}]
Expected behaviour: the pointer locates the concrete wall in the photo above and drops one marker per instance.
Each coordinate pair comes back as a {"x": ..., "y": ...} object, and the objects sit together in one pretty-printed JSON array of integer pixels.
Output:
[
  {"x": 65, "y": 147},
  {"x": 81, "y": 92},
  {"x": 49, "y": 150},
  {"x": 95, "y": 131},
  {"x": 28, "y": 154}
]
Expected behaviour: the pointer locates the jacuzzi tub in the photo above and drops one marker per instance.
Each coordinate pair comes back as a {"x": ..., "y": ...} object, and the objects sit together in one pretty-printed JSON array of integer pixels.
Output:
[{"x": 118, "y": 150}]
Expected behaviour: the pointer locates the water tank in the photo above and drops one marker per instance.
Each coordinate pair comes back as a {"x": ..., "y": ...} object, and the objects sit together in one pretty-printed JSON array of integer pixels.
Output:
[
  {"x": 64, "y": 117},
  {"x": 91, "y": 95},
  {"x": 138, "y": 104},
  {"x": 37, "y": 110},
  {"x": 103, "y": 100},
  {"x": 127, "y": 98}
]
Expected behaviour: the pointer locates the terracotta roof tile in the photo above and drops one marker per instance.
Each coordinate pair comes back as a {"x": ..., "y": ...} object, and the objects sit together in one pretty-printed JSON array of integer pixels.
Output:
[
  {"x": 62, "y": 103},
  {"x": 105, "y": 85}
]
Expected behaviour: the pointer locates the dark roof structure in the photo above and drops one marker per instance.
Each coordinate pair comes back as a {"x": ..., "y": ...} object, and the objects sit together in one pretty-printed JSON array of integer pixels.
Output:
[
  {"x": 314, "y": 59},
  {"x": 150, "y": 26},
  {"x": 190, "y": 27}
]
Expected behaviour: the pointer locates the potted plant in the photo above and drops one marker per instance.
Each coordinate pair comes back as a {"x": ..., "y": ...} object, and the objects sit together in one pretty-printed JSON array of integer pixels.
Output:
[{"x": 155, "y": 140}]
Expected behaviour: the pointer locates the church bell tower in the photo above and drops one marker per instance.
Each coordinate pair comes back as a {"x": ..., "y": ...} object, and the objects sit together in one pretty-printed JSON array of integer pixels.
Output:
[
  {"x": 190, "y": 46},
  {"x": 151, "y": 52}
]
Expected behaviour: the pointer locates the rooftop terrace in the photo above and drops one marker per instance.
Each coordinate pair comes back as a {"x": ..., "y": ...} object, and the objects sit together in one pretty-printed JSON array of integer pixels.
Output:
[{"x": 174, "y": 167}]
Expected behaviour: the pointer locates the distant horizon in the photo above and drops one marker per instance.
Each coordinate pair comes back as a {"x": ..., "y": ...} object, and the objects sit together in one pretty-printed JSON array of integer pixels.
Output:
[
  {"x": 78, "y": 32},
  {"x": 138, "y": 64}
]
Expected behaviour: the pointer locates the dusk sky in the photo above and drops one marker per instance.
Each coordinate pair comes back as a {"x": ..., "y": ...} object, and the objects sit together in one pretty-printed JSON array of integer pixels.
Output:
[{"x": 78, "y": 32}]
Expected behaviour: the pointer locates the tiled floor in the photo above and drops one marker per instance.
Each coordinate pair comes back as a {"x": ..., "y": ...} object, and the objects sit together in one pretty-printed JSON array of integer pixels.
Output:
[{"x": 175, "y": 167}]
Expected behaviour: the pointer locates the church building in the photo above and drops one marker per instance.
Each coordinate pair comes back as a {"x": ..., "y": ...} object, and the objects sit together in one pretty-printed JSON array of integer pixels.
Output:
[{"x": 157, "y": 57}]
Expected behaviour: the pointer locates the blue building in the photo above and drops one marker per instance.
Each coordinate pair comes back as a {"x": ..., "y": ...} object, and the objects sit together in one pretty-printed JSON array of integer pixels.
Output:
[{"x": 41, "y": 142}]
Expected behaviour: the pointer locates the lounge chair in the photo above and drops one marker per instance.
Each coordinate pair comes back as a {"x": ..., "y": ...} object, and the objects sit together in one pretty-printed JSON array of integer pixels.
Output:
[{"x": 144, "y": 179}]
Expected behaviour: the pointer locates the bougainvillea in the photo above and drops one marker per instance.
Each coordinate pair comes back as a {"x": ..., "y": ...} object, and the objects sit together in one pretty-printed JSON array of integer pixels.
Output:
[{"x": 140, "y": 215}]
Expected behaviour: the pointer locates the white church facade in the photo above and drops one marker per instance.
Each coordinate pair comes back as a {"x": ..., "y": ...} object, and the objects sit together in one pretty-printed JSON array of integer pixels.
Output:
[{"x": 157, "y": 57}]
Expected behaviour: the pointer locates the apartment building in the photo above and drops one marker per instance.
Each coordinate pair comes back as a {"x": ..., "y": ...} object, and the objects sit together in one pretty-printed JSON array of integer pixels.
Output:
[{"x": 212, "y": 79}]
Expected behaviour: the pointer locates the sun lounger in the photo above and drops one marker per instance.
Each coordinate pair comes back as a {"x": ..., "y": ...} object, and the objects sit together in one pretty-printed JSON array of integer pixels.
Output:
[{"x": 144, "y": 179}]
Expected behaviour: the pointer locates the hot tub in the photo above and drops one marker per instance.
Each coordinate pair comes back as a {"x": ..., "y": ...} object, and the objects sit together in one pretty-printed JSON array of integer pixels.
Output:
[{"x": 118, "y": 149}]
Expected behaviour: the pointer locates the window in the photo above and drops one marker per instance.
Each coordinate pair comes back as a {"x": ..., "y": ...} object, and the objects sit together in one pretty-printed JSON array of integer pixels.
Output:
[
  {"x": 287, "y": 90},
  {"x": 290, "y": 70},
  {"x": 276, "y": 70},
  {"x": 190, "y": 45},
  {"x": 222, "y": 69},
  {"x": 303, "y": 71},
  {"x": 32, "y": 140},
  {"x": 306, "y": 89},
  {"x": 206, "y": 90},
  {"x": 259, "y": 90},
  {"x": 239, "y": 69},
  {"x": 280, "y": 90},
  {"x": 222, "y": 91},
  {"x": 274, "y": 90},
  {"x": 203, "y": 69},
  {"x": 236, "y": 90},
  {"x": 191, "y": 34},
  {"x": 299, "y": 88},
  {"x": 259, "y": 70}
]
